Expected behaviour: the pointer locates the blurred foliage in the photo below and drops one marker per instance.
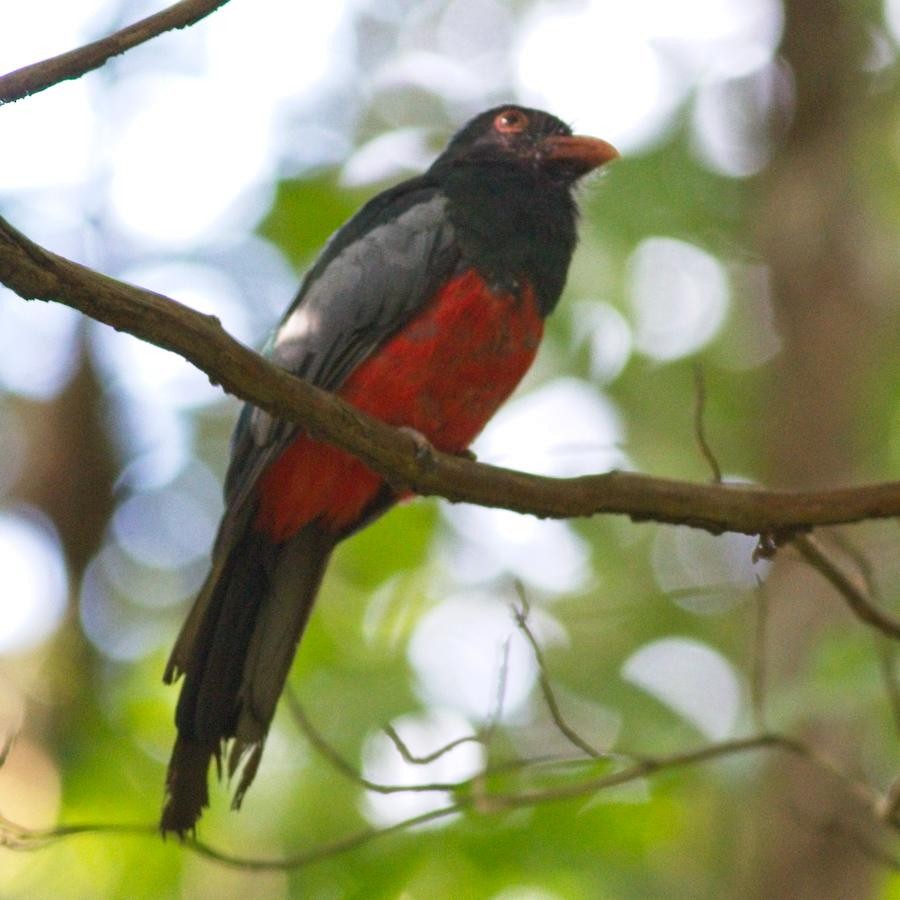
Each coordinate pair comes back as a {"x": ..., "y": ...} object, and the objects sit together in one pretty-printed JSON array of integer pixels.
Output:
[
  {"x": 305, "y": 213},
  {"x": 97, "y": 726}
]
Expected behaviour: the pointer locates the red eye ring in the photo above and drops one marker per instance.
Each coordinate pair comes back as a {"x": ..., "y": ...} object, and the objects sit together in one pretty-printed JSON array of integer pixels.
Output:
[{"x": 511, "y": 121}]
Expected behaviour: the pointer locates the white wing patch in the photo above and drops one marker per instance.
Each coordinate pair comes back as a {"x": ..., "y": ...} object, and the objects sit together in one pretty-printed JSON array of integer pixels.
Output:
[
  {"x": 391, "y": 245},
  {"x": 382, "y": 274},
  {"x": 299, "y": 324}
]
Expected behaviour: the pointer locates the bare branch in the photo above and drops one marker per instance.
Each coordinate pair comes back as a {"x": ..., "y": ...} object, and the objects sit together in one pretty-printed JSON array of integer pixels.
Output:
[
  {"x": 758, "y": 671},
  {"x": 836, "y": 828},
  {"x": 412, "y": 759},
  {"x": 889, "y": 808},
  {"x": 41, "y": 75},
  {"x": 885, "y": 650},
  {"x": 887, "y": 659},
  {"x": 875, "y": 853},
  {"x": 863, "y": 608},
  {"x": 871, "y": 799},
  {"x": 482, "y": 738},
  {"x": 36, "y": 273},
  {"x": 640, "y": 769},
  {"x": 19, "y": 838},
  {"x": 6, "y": 746},
  {"x": 572, "y": 736},
  {"x": 345, "y": 767},
  {"x": 868, "y": 796},
  {"x": 700, "y": 425},
  {"x": 500, "y": 698},
  {"x": 16, "y": 837}
]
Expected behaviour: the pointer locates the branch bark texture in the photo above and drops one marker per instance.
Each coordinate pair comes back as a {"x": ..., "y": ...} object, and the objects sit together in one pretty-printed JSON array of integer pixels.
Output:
[{"x": 73, "y": 64}]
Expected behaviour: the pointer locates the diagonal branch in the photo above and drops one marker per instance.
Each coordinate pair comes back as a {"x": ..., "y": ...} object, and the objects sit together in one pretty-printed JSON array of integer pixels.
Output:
[
  {"x": 36, "y": 273},
  {"x": 520, "y": 614},
  {"x": 863, "y": 608},
  {"x": 73, "y": 64}
]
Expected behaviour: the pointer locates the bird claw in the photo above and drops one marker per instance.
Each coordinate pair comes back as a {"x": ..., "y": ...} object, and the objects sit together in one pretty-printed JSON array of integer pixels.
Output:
[{"x": 424, "y": 452}]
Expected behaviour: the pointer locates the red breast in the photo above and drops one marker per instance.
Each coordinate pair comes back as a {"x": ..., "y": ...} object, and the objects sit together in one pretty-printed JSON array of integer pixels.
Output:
[{"x": 444, "y": 374}]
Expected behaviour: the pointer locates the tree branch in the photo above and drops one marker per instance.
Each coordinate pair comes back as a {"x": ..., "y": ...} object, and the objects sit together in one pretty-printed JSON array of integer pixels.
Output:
[
  {"x": 73, "y": 64},
  {"x": 861, "y": 606},
  {"x": 700, "y": 425},
  {"x": 17, "y": 837},
  {"x": 520, "y": 615},
  {"x": 350, "y": 771},
  {"x": 407, "y": 754},
  {"x": 36, "y": 273},
  {"x": 759, "y": 660}
]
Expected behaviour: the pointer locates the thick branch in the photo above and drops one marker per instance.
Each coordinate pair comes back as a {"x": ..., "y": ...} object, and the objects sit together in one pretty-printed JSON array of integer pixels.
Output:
[
  {"x": 35, "y": 273},
  {"x": 75, "y": 63}
]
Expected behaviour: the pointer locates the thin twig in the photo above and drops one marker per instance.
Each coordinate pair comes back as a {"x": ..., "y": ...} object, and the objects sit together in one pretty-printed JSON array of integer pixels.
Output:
[
  {"x": 758, "y": 670},
  {"x": 7, "y": 745},
  {"x": 500, "y": 697},
  {"x": 73, "y": 64},
  {"x": 887, "y": 664},
  {"x": 889, "y": 808},
  {"x": 836, "y": 828},
  {"x": 860, "y": 560},
  {"x": 346, "y": 768},
  {"x": 870, "y": 798},
  {"x": 412, "y": 759},
  {"x": 633, "y": 772},
  {"x": 868, "y": 849},
  {"x": 886, "y": 651},
  {"x": 483, "y": 738},
  {"x": 520, "y": 614},
  {"x": 700, "y": 425},
  {"x": 812, "y": 551},
  {"x": 17, "y": 837}
]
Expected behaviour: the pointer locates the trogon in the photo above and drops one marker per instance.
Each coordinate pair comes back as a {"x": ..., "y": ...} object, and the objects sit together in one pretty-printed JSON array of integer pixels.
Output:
[{"x": 424, "y": 310}]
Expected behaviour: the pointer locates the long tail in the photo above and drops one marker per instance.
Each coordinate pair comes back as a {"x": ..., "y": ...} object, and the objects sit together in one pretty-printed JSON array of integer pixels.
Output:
[{"x": 235, "y": 651}]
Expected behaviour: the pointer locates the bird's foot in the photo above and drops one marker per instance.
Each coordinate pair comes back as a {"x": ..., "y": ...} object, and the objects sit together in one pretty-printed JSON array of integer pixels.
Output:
[{"x": 424, "y": 451}]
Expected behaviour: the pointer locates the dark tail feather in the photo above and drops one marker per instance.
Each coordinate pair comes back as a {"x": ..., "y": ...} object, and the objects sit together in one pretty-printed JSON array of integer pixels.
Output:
[
  {"x": 187, "y": 792},
  {"x": 235, "y": 651}
]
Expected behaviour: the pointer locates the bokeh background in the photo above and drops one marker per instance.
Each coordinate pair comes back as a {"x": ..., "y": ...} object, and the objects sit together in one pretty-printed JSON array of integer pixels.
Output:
[{"x": 751, "y": 227}]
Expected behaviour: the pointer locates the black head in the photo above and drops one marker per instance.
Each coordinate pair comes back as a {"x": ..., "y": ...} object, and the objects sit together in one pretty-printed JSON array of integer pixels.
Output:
[{"x": 527, "y": 139}]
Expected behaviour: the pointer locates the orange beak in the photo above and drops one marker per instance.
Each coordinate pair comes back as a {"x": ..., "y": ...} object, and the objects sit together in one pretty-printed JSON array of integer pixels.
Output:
[{"x": 579, "y": 151}]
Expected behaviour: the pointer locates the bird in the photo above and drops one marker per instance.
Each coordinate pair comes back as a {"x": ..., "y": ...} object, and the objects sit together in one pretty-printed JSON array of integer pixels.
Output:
[{"x": 424, "y": 310}]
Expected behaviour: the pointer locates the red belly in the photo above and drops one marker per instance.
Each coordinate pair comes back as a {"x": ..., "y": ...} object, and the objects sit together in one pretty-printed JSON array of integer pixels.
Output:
[{"x": 444, "y": 374}]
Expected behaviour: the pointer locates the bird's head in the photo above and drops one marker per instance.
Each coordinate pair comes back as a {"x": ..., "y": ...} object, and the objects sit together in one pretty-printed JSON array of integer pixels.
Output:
[{"x": 526, "y": 138}]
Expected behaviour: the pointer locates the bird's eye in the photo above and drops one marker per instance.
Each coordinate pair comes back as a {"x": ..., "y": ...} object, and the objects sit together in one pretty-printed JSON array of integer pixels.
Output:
[{"x": 511, "y": 121}]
